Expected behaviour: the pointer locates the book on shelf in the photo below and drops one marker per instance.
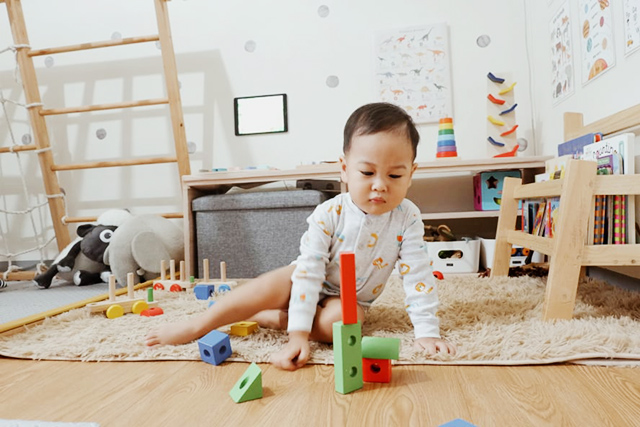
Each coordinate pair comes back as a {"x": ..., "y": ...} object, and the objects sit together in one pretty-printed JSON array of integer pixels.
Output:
[
  {"x": 615, "y": 155},
  {"x": 575, "y": 147}
]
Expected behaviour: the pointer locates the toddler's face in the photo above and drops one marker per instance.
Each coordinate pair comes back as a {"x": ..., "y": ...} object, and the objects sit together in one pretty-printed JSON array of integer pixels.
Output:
[{"x": 378, "y": 171}]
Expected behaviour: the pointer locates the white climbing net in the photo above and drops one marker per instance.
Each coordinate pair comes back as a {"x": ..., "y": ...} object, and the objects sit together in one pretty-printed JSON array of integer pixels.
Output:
[{"x": 30, "y": 209}]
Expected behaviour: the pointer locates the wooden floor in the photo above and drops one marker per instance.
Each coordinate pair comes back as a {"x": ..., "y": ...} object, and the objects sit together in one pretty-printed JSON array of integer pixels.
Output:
[{"x": 196, "y": 394}]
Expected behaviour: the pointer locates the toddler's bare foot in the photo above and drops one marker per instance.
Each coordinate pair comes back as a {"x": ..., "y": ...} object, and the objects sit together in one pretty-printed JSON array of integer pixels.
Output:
[
  {"x": 272, "y": 319},
  {"x": 172, "y": 333}
]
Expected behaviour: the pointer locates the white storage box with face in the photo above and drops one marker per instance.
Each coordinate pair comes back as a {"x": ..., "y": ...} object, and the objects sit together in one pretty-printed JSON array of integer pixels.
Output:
[{"x": 455, "y": 257}]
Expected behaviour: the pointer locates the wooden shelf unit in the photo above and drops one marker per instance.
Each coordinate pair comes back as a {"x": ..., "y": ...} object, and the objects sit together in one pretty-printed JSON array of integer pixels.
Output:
[
  {"x": 569, "y": 250},
  {"x": 197, "y": 185}
]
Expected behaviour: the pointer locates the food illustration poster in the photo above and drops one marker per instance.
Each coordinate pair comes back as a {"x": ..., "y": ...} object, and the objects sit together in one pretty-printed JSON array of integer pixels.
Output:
[
  {"x": 413, "y": 71},
  {"x": 561, "y": 54},
  {"x": 598, "y": 50},
  {"x": 631, "y": 25}
]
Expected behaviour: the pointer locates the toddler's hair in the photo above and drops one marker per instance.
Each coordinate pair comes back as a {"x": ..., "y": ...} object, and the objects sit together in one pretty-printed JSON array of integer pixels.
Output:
[{"x": 380, "y": 117}]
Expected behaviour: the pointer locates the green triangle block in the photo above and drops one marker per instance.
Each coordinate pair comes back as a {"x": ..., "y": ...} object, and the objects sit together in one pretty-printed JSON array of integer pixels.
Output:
[{"x": 249, "y": 386}]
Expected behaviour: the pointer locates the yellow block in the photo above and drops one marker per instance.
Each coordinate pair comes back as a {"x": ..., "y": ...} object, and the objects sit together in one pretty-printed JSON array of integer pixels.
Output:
[{"x": 243, "y": 329}]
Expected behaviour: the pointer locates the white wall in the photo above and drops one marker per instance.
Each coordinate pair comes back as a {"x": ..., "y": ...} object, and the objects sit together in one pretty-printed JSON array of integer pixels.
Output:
[
  {"x": 296, "y": 50},
  {"x": 614, "y": 90}
]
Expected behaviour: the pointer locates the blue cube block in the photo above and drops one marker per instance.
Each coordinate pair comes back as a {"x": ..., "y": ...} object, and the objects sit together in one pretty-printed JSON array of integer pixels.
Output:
[
  {"x": 458, "y": 422},
  {"x": 214, "y": 347},
  {"x": 204, "y": 291}
]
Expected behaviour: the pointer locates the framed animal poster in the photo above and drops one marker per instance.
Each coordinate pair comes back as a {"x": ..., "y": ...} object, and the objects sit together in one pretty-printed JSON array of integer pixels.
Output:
[
  {"x": 596, "y": 35},
  {"x": 413, "y": 71}
]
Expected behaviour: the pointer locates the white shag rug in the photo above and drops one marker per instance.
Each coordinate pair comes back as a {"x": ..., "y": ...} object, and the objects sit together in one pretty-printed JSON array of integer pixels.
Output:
[{"x": 492, "y": 322}]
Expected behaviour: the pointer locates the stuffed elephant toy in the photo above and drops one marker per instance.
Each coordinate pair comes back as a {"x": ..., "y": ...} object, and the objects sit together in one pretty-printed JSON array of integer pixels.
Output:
[{"x": 140, "y": 244}]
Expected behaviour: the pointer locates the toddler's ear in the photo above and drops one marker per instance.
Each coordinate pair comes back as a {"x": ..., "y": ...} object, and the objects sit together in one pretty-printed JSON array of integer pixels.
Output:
[{"x": 343, "y": 169}]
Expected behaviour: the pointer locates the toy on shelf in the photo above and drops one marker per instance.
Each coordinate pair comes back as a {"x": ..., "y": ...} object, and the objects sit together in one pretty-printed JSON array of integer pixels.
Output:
[
  {"x": 495, "y": 121},
  {"x": 446, "y": 140},
  {"x": 495, "y": 79},
  {"x": 172, "y": 283},
  {"x": 117, "y": 307},
  {"x": 205, "y": 287},
  {"x": 495, "y": 100},
  {"x": 510, "y": 131},
  {"x": 249, "y": 386},
  {"x": 508, "y": 110},
  {"x": 511, "y": 153},
  {"x": 501, "y": 117},
  {"x": 508, "y": 89},
  {"x": 494, "y": 142}
]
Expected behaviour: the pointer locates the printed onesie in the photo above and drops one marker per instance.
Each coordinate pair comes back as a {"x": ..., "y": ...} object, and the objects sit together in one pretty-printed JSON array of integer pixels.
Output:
[{"x": 379, "y": 242}]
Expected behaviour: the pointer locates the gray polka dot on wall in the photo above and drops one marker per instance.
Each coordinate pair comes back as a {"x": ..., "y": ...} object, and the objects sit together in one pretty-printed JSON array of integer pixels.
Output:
[
  {"x": 323, "y": 11},
  {"x": 333, "y": 81},
  {"x": 101, "y": 133},
  {"x": 250, "y": 46},
  {"x": 483, "y": 40}
]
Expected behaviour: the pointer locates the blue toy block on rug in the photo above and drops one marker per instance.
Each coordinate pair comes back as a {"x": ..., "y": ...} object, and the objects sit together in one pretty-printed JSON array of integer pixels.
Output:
[
  {"x": 458, "y": 422},
  {"x": 215, "y": 347},
  {"x": 204, "y": 291}
]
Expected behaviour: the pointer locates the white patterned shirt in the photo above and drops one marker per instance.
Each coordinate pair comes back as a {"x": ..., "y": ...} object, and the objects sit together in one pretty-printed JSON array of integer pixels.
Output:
[{"x": 379, "y": 242}]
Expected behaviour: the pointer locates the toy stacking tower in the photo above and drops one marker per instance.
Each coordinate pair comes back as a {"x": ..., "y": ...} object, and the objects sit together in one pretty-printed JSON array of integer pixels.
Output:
[
  {"x": 347, "y": 334},
  {"x": 446, "y": 140}
]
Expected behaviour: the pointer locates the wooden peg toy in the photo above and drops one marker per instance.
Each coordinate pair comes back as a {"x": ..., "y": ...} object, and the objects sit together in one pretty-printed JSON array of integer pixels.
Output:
[
  {"x": 114, "y": 307},
  {"x": 172, "y": 283}
]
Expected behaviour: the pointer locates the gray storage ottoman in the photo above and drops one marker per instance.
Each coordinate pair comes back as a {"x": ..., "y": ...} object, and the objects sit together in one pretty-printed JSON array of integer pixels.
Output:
[{"x": 252, "y": 232}]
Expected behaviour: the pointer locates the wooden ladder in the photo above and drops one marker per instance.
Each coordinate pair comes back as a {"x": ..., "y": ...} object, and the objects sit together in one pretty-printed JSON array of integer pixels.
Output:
[
  {"x": 38, "y": 114},
  {"x": 569, "y": 248}
]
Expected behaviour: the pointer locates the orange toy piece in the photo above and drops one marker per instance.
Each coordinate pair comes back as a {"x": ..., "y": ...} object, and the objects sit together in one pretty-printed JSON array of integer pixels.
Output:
[
  {"x": 348, "y": 288},
  {"x": 513, "y": 129},
  {"x": 511, "y": 153},
  {"x": 495, "y": 100},
  {"x": 438, "y": 275},
  {"x": 153, "y": 311}
]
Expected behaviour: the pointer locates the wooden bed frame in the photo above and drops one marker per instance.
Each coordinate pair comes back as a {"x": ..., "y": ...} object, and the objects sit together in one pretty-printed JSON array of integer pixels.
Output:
[{"x": 569, "y": 250}]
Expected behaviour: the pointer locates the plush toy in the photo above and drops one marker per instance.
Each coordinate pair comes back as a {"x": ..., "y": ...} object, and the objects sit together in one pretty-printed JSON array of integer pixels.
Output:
[
  {"x": 139, "y": 245},
  {"x": 82, "y": 261}
]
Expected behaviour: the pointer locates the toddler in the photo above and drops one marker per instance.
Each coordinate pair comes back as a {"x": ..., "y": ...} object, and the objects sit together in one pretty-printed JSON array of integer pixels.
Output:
[{"x": 373, "y": 219}]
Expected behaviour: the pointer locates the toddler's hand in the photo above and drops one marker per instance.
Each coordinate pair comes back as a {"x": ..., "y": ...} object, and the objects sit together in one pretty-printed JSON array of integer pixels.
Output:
[
  {"x": 433, "y": 345},
  {"x": 294, "y": 354}
]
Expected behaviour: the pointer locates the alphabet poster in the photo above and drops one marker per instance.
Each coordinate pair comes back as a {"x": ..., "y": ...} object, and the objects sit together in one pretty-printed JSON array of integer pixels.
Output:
[
  {"x": 598, "y": 49},
  {"x": 413, "y": 71}
]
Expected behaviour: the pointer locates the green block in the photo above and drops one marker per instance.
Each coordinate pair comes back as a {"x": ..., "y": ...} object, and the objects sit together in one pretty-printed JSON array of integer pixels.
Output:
[
  {"x": 347, "y": 357},
  {"x": 249, "y": 386},
  {"x": 445, "y": 132},
  {"x": 380, "y": 348}
]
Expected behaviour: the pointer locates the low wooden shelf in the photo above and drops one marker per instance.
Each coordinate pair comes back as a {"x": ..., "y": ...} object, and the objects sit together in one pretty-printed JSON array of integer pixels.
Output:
[{"x": 197, "y": 185}]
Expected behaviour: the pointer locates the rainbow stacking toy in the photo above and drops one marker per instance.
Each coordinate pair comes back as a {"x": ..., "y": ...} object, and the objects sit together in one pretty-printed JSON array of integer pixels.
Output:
[{"x": 446, "y": 140}]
